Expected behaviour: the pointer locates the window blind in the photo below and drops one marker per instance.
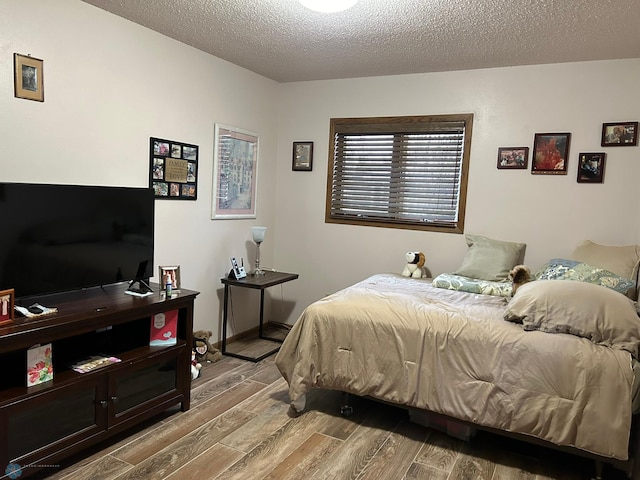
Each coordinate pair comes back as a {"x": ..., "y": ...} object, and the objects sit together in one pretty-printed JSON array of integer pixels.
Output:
[{"x": 399, "y": 173}]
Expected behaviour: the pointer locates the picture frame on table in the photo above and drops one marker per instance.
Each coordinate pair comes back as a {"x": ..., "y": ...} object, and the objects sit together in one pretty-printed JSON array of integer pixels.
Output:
[
  {"x": 302, "y": 157},
  {"x": 235, "y": 173},
  {"x": 28, "y": 77},
  {"x": 591, "y": 167},
  {"x": 174, "y": 272},
  {"x": 619, "y": 134},
  {"x": 513, "y": 158},
  {"x": 550, "y": 153},
  {"x": 7, "y": 304}
]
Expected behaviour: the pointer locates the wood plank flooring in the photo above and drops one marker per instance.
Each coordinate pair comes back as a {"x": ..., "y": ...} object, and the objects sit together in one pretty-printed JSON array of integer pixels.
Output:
[{"x": 240, "y": 427}]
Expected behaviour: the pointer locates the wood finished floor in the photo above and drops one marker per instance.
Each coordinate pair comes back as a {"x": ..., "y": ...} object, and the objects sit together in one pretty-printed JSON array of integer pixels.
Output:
[{"x": 239, "y": 427}]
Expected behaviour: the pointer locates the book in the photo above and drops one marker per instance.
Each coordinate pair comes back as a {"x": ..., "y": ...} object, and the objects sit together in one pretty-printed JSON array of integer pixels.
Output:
[
  {"x": 39, "y": 364},
  {"x": 94, "y": 363},
  {"x": 164, "y": 327}
]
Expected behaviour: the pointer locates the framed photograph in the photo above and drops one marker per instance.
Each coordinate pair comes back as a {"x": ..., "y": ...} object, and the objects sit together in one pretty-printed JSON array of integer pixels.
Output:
[
  {"x": 173, "y": 272},
  {"x": 591, "y": 167},
  {"x": 550, "y": 153},
  {"x": 619, "y": 134},
  {"x": 173, "y": 169},
  {"x": 28, "y": 77},
  {"x": 302, "y": 159},
  {"x": 513, "y": 157},
  {"x": 7, "y": 301},
  {"x": 235, "y": 173}
]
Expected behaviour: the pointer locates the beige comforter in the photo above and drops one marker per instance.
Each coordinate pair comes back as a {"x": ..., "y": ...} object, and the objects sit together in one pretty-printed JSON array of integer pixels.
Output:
[{"x": 404, "y": 341}]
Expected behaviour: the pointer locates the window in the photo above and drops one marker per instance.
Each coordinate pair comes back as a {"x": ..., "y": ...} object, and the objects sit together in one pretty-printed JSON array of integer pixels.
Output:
[{"x": 399, "y": 172}]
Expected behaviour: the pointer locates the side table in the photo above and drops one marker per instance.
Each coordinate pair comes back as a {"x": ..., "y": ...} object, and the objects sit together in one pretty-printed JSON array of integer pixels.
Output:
[{"x": 269, "y": 279}]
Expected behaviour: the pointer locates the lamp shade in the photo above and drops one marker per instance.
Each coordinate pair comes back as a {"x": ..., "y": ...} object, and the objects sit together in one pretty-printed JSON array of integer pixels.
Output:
[{"x": 258, "y": 234}]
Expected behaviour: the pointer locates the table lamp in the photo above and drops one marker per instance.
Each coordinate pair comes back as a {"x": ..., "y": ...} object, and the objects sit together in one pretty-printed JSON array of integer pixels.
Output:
[{"x": 258, "y": 237}]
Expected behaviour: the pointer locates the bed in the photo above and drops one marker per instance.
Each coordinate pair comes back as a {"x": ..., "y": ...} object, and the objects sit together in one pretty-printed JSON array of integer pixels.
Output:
[{"x": 555, "y": 363}]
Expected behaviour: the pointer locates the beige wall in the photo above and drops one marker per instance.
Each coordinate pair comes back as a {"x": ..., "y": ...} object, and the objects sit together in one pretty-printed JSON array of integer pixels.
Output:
[
  {"x": 110, "y": 85},
  {"x": 549, "y": 213}
]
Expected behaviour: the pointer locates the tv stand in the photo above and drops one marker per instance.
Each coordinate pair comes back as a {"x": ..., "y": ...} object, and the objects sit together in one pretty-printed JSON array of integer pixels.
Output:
[{"x": 43, "y": 424}]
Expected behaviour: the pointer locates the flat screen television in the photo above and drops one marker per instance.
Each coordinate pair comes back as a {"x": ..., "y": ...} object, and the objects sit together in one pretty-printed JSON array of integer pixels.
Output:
[{"x": 59, "y": 238}]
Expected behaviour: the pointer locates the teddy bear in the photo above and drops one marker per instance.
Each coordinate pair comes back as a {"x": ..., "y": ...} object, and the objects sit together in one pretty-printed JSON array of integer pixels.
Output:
[
  {"x": 415, "y": 262},
  {"x": 195, "y": 366},
  {"x": 519, "y": 275},
  {"x": 205, "y": 352}
]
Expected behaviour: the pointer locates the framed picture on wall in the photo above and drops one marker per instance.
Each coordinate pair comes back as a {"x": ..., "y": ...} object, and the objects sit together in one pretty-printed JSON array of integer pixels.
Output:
[
  {"x": 620, "y": 134},
  {"x": 302, "y": 158},
  {"x": 550, "y": 153},
  {"x": 235, "y": 172},
  {"x": 173, "y": 169},
  {"x": 28, "y": 78},
  {"x": 591, "y": 167},
  {"x": 513, "y": 157}
]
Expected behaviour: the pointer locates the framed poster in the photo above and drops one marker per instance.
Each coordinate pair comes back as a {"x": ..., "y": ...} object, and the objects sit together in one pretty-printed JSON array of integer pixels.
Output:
[
  {"x": 235, "y": 172},
  {"x": 550, "y": 153},
  {"x": 173, "y": 168}
]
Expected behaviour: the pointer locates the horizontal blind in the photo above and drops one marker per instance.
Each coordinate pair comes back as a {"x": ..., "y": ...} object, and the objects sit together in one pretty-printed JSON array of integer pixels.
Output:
[{"x": 407, "y": 176}]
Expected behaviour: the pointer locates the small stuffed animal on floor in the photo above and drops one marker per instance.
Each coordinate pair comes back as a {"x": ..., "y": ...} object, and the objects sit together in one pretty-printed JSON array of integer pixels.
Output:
[
  {"x": 415, "y": 262},
  {"x": 519, "y": 275},
  {"x": 195, "y": 366},
  {"x": 205, "y": 352}
]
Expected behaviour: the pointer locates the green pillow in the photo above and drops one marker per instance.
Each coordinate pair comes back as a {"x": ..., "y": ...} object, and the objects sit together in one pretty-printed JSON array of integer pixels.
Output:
[{"x": 489, "y": 259}]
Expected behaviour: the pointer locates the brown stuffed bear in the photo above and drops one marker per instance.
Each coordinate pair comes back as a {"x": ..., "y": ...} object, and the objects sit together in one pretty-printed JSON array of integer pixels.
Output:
[
  {"x": 519, "y": 275},
  {"x": 205, "y": 352}
]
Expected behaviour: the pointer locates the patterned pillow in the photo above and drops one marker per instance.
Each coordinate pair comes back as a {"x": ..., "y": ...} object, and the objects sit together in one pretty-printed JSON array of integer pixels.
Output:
[
  {"x": 563, "y": 269},
  {"x": 450, "y": 281}
]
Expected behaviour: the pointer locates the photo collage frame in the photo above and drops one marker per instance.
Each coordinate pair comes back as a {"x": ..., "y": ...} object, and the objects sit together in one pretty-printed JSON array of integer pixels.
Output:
[{"x": 173, "y": 168}]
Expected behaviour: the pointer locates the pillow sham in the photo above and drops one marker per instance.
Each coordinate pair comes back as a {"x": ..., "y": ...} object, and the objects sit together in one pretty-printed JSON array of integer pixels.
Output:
[
  {"x": 490, "y": 259},
  {"x": 582, "y": 309},
  {"x": 564, "y": 269},
  {"x": 450, "y": 281},
  {"x": 621, "y": 260}
]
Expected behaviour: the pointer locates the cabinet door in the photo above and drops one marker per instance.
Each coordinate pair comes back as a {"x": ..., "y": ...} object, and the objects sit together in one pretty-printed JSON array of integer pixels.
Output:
[
  {"x": 53, "y": 419},
  {"x": 144, "y": 386}
]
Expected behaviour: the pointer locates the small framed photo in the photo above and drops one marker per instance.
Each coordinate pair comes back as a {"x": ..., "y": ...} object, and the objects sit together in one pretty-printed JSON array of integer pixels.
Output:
[
  {"x": 173, "y": 273},
  {"x": 513, "y": 157},
  {"x": 550, "y": 153},
  {"x": 28, "y": 77},
  {"x": 7, "y": 301},
  {"x": 591, "y": 167},
  {"x": 619, "y": 134},
  {"x": 302, "y": 156}
]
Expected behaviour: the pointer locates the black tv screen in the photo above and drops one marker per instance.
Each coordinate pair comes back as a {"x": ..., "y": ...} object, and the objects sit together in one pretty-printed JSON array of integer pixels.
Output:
[{"x": 58, "y": 238}]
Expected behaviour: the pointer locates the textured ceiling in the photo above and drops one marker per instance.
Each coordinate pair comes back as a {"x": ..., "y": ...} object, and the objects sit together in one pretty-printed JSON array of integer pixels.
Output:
[{"x": 285, "y": 41}]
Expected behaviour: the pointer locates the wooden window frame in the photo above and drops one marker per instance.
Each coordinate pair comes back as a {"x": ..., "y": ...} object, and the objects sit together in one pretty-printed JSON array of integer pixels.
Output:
[{"x": 403, "y": 130}]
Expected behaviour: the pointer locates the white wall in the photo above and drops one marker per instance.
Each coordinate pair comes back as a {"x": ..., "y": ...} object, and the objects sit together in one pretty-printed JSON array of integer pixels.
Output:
[
  {"x": 552, "y": 214},
  {"x": 109, "y": 85}
]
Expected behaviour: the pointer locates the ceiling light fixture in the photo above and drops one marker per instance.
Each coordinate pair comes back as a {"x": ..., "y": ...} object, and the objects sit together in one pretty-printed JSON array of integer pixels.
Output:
[{"x": 328, "y": 6}]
